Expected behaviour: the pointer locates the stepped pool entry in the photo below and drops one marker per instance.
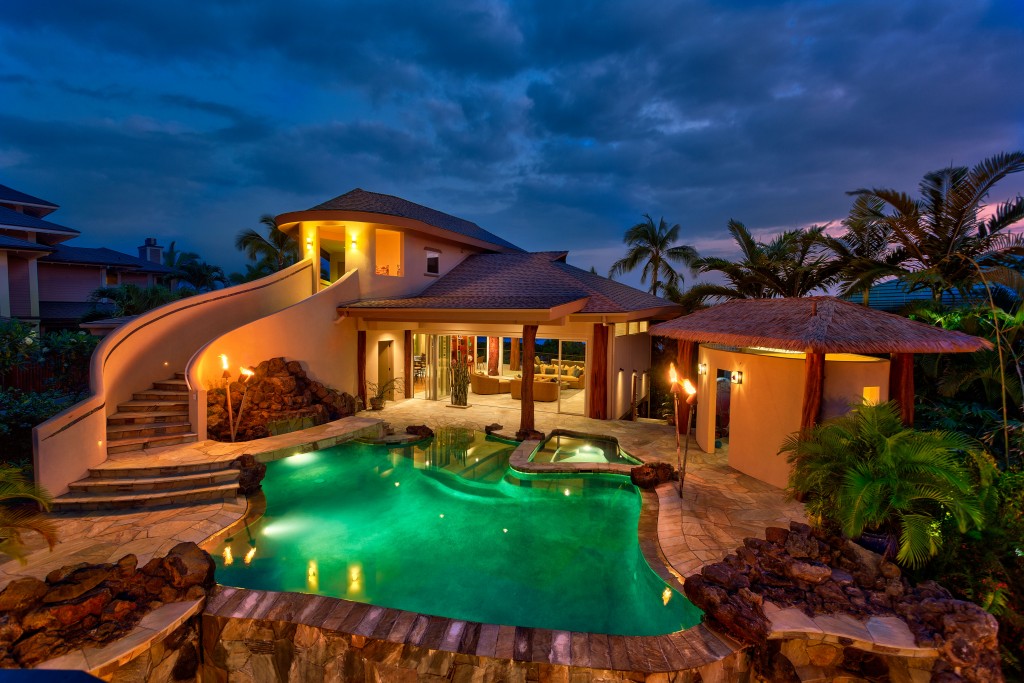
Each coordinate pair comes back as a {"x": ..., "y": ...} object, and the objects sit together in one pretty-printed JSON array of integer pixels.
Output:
[
  {"x": 445, "y": 527},
  {"x": 567, "y": 446}
]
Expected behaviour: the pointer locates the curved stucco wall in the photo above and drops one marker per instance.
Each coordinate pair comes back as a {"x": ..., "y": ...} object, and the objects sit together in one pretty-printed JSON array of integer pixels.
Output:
[
  {"x": 152, "y": 347},
  {"x": 308, "y": 331}
]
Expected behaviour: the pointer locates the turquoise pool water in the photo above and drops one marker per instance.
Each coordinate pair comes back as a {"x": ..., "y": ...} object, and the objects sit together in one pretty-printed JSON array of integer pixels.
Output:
[
  {"x": 566, "y": 446},
  {"x": 445, "y": 528}
]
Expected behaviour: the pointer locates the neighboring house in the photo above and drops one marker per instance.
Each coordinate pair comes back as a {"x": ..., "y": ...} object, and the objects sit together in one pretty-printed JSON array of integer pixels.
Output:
[{"x": 47, "y": 282}]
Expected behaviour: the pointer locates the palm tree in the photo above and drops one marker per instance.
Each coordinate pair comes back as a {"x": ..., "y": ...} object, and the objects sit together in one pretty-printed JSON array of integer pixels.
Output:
[
  {"x": 22, "y": 508},
  {"x": 654, "y": 247},
  {"x": 944, "y": 234},
  {"x": 203, "y": 276},
  {"x": 866, "y": 471},
  {"x": 252, "y": 272},
  {"x": 277, "y": 248},
  {"x": 794, "y": 263},
  {"x": 865, "y": 251},
  {"x": 176, "y": 260}
]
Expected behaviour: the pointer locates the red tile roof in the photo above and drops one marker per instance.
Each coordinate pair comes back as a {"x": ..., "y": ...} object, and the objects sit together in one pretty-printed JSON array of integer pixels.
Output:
[
  {"x": 523, "y": 281},
  {"x": 373, "y": 202}
]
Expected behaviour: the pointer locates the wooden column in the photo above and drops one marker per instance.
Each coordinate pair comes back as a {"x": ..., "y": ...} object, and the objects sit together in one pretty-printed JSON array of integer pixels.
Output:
[
  {"x": 526, "y": 423},
  {"x": 493, "y": 356},
  {"x": 513, "y": 358},
  {"x": 814, "y": 386},
  {"x": 409, "y": 382},
  {"x": 598, "y": 379},
  {"x": 901, "y": 385},
  {"x": 361, "y": 366},
  {"x": 686, "y": 363}
]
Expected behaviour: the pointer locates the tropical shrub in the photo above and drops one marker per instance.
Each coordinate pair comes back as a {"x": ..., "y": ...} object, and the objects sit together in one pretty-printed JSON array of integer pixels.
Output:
[
  {"x": 21, "y": 411},
  {"x": 22, "y": 509},
  {"x": 17, "y": 345},
  {"x": 867, "y": 472}
]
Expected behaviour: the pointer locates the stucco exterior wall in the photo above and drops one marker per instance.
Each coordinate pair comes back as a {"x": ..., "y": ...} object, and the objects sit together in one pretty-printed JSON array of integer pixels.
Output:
[
  {"x": 630, "y": 354},
  {"x": 147, "y": 349},
  {"x": 308, "y": 331},
  {"x": 765, "y": 408},
  {"x": 59, "y": 282},
  {"x": 20, "y": 292}
]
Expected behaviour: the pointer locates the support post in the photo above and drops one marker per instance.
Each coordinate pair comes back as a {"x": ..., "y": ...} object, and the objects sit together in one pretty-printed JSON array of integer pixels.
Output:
[
  {"x": 493, "y": 356},
  {"x": 361, "y": 366},
  {"x": 408, "y": 365},
  {"x": 814, "y": 386},
  {"x": 514, "y": 355},
  {"x": 526, "y": 421},
  {"x": 686, "y": 361},
  {"x": 598, "y": 379},
  {"x": 901, "y": 385}
]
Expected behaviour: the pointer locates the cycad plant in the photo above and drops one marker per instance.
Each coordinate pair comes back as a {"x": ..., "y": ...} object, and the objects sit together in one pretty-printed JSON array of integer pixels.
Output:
[
  {"x": 867, "y": 472},
  {"x": 22, "y": 510}
]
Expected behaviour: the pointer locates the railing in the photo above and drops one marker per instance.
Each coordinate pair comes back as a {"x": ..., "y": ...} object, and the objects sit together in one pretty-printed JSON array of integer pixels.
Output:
[{"x": 147, "y": 349}]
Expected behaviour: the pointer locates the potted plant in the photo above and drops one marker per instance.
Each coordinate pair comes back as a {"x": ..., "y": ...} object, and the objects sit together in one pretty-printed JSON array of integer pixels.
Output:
[{"x": 378, "y": 392}]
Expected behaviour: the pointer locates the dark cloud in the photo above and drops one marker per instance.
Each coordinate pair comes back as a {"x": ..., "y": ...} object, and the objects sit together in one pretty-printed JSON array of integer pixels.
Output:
[{"x": 555, "y": 124}]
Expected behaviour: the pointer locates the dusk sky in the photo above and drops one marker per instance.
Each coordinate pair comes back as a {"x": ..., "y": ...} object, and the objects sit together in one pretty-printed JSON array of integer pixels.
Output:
[{"x": 554, "y": 125}]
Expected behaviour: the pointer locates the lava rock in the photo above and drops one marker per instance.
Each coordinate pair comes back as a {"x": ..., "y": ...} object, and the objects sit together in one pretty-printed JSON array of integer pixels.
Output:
[{"x": 421, "y": 431}]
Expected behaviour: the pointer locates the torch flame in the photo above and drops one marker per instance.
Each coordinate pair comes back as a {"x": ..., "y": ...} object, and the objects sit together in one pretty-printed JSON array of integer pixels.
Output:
[
  {"x": 672, "y": 376},
  {"x": 228, "y": 559},
  {"x": 689, "y": 388},
  {"x": 249, "y": 555},
  {"x": 224, "y": 360},
  {"x": 246, "y": 372}
]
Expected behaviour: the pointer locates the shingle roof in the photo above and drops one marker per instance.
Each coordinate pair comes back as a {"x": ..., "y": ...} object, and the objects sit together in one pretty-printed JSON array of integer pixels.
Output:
[
  {"x": 13, "y": 243},
  {"x": 820, "y": 324},
  {"x": 70, "y": 310},
  {"x": 373, "y": 202},
  {"x": 12, "y": 196},
  {"x": 102, "y": 257},
  {"x": 523, "y": 281},
  {"x": 9, "y": 217}
]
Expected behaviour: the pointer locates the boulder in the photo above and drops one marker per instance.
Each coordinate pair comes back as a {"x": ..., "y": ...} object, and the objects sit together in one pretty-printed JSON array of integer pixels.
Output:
[
  {"x": 250, "y": 473},
  {"x": 21, "y": 594},
  {"x": 420, "y": 431},
  {"x": 493, "y": 428},
  {"x": 188, "y": 565}
]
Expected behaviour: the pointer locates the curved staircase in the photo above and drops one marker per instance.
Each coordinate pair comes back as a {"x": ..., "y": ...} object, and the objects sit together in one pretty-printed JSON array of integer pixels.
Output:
[{"x": 153, "y": 420}]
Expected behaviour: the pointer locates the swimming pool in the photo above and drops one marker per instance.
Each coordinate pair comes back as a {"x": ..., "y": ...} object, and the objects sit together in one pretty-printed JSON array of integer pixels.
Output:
[
  {"x": 565, "y": 446},
  {"x": 444, "y": 527}
]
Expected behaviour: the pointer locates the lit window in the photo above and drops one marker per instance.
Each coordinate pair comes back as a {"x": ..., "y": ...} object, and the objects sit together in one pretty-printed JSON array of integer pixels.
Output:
[
  {"x": 389, "y": 253},
  {"x": 111, "y": 278},
  {"x": 634, "y": 328},
  {"x": 433, "y": 262},
  {"x": 644, "y": 325},
  {"x": 621, "y": 329}
]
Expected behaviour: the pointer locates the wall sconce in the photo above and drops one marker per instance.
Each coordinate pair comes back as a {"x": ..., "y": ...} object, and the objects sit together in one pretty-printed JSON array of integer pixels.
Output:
[
  {"x": 736, "y": 377},
  {"x": 702, "y": 368},
  {"x": 353, "y": 241}
]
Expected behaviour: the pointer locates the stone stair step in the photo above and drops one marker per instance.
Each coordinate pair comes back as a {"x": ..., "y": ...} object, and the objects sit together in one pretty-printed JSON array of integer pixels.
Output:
[
  {"x": 175, "y": 482},
  {"x": 115, "y": 471},
  {"x": 145, "y": 429},
  {"x": 172, "y": 384},
  {"x": 160, "y": 395},
  {"x": 145, "y": 499},
  {"x": 146, "y": 442},
  {"x": 140, "y": 417},
  {"x": 179, "y": 375},
  {"x": 150, "y": 405}
]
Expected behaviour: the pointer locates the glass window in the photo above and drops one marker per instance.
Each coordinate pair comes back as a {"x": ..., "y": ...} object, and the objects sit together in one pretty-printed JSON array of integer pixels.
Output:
[
  {"x": 433, "y": 262},
  {"x": 325, "y": 265},
  {"x": 389, "y": 252}
]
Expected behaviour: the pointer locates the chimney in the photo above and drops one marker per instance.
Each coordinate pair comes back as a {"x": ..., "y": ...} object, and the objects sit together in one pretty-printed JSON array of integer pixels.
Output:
[{"x": 151, "y": 251}]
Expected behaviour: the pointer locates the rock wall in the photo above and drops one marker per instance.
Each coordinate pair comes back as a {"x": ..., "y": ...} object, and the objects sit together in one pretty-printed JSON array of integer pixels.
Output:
[
  {"x": 175, "y": 658},
  {"x": 86, "y": 604},
  {"x": 803, "y": 568},
  {"x": 279, "y": 391}
]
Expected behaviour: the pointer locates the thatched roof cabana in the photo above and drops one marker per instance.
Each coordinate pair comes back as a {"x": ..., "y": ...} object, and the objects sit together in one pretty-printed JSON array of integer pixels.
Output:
[{"x": 815, "y": 324}]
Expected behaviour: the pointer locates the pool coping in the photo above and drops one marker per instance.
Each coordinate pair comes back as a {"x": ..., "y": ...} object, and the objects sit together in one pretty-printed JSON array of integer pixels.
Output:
[{"x": 689, "y": 648}]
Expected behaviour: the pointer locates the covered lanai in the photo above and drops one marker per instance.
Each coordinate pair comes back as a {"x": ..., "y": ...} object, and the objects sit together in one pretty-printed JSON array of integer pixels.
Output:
[{"x": 785, "y": 364}]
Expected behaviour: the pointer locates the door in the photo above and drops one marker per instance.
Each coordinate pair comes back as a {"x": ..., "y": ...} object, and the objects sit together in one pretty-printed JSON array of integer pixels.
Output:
[{"x": 385, "y": 367}]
